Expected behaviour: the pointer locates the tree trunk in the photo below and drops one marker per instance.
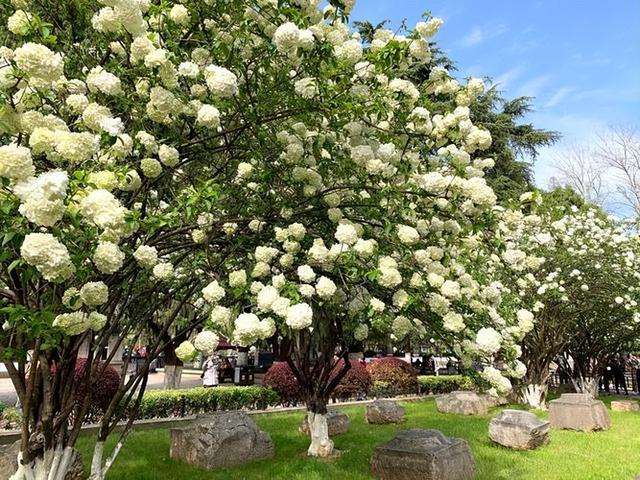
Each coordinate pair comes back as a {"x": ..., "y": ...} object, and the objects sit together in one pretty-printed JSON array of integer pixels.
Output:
[
  {"x": 535, "y": 395},
  {"x": 321, "y": 444},
  {"x": 586, "y": 385},
  {"x": 172, "y": 376},
  {"x": 172, "y": 368},
  {"x": 53, "y": 464}
]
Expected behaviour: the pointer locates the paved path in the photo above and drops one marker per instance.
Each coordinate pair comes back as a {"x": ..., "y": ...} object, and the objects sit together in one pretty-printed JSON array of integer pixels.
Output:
[{"x": 190, "y": 379}]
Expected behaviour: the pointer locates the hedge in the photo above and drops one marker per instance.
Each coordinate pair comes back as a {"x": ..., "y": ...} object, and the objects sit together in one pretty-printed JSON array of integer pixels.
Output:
[
  {"x": 392, "y": 376},
  {"x": 430, "y": 384},
  {"x": 182, "y": 403}
]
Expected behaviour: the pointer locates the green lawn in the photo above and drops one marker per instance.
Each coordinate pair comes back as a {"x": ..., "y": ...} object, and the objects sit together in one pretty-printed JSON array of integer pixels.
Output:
[{"x": 613, "y": 455}]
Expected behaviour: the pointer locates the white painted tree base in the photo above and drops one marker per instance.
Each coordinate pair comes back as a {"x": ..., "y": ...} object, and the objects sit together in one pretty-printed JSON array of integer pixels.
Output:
[{"x": 321, "y": 444}]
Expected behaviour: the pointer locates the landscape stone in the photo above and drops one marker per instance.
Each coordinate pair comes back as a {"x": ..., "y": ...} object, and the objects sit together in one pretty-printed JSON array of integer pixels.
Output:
[
  {"x": 462, "y": 403},
  {"x": 9, "y": 463},
  {"x": 518, "y": 429},
  {"x": 220, "y": 440},
  {"x": 384, "y": 411},
  {"x": 418, "y": 454},
  {"x": 337, "y": 422},
  {"x": 625, "y": 406},
  {"x": 578, "y": 411}
]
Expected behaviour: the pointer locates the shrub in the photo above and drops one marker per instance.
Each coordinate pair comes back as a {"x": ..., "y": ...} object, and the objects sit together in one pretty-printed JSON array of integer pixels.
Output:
[
  {"x": 102, "y": 390},
  {"x": 181, "y": 403},
  {"x": 3, "y": 407},
  {"x": 355, "y": 383},
  {"x": 430, "y": 384},
  {"x": 11, "y": 418},
  {"x": 281, "y": 379},
  {"x": 393, "y": 376}
]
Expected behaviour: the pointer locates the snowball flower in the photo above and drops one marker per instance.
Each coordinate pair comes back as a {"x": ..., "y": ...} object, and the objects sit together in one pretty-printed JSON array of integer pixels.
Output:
[
  {"x": 221, "y": 81},
  {"x": 408, "y": 235},
  {"x": 496, "y": 379},
  {"x": 488, "y": 340},
  {"x": 169, "y": 156},
  {"x": 180, "y": 15},
  {"x": 208, "y": 116},
  {"x": 346, "y": 233},
  {"x": 96, "y": 321},
  {"x": 286, "y": 36},
  {"x": 42, "y": 197},
  {"x": 453, "y": 322},
  {"x": 163, "y": 271},
  {"x": 147, "y": 257},
  {"x": 102, "y": 209},
  {"x": 73, "y": 323},
  {"x": 206, "y": 342},
  {"x": 361, "y": 332},
  {"x": 16, "y": 162},
  {"x": 306, "y": 274},
  {"x": 42, "y": 66},
  {"x": 238, "y": 279},
  {"x": 325, "y": 287},
  {"x": 299, "y": 316},
  {"x": 99, "y": 80},
  {"x": 266, "y": 298},
  {"x": 49, "y": 256},
  {"x": 247, "y": 329},
  {"x": 213, "y": 292},
  {"x": 94, "y": 293},
  {"x": 186, "y": 351},
  {"x": 108, "y": 258}
]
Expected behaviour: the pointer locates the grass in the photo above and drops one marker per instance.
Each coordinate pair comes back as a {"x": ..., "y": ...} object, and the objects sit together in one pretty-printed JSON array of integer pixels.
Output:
[{"x": 610, "y": 455}]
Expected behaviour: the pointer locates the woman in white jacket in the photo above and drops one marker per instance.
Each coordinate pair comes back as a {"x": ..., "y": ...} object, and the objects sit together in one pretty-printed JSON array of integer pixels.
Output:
[{"x": 210, "y": 372}]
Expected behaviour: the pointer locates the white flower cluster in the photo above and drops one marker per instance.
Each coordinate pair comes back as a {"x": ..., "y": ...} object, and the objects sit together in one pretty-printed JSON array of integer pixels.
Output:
[{"x": 48, "y": 255}]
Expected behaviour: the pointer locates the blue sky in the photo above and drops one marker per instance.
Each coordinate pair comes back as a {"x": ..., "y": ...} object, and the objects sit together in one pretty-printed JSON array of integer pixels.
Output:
[{"x": 579, "y": 58}]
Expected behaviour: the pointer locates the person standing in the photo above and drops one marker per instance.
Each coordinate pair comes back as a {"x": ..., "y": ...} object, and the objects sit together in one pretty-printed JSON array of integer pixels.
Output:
[
  {"x": 633, "y": 360},
  {"x": 210, "y": 372},
  {"x": 618, "y": 374}
]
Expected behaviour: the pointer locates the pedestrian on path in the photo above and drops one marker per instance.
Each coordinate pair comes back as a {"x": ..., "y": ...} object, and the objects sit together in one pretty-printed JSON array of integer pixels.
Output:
[{"x": 210, "y": 372}]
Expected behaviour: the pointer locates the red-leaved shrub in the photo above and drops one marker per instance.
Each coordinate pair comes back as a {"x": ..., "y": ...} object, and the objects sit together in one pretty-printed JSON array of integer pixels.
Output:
[
  {"x": 103, "y": 389},
  {"x": 393, "y": 376},
  {"x": 281, "y": 379},
  {"x": 356, "y": 382}
]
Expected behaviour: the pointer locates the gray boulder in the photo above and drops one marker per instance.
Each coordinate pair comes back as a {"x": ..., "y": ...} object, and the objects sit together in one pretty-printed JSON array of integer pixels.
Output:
[
  {"x": 462, "y": 403},
  {"x": 625, "y": 406},
  {"x": 578, "y": 411},
  {"x": 337, "y": 422},
  {"x": 9, "y": 463},
  {"x": 418, "y": 454},
  {"x": 518, "y": 429},
  {"x": 220, "y": 440},
  {"x": 384, "y": 411}
]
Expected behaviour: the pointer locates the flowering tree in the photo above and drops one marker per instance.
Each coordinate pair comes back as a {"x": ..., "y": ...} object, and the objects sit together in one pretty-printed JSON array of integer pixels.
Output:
[
  {"x": 246, "y": 160},
  {"x": 579, "y": 270}
]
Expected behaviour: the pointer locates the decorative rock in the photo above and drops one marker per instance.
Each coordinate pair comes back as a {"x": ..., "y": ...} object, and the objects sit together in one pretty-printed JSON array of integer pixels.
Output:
[
  {"x": 384, "y": 411},
  {"x": 418, "y": 454},
  {"x": 578, "y": 411},
  {"x": 625, "y": 406},
  {"x": 462, "y": 403},
  {"x": 518, "y": 429},
  {"x": 337, "y": 422},
  {"x": 9, "y": 463},
  {"x": 495, "y": 401},
  {"x": 220, "y": 440}
]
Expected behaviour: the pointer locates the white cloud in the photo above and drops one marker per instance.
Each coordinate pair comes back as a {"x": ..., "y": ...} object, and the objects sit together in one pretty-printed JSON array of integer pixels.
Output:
[
  {"x": 479, "y": 34},
  {"x": 508, "y": 77},
  {"x": 557, "y": 97},
  {"x": 474, "y": 37},
  {"x": 532, "y": 87}
]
